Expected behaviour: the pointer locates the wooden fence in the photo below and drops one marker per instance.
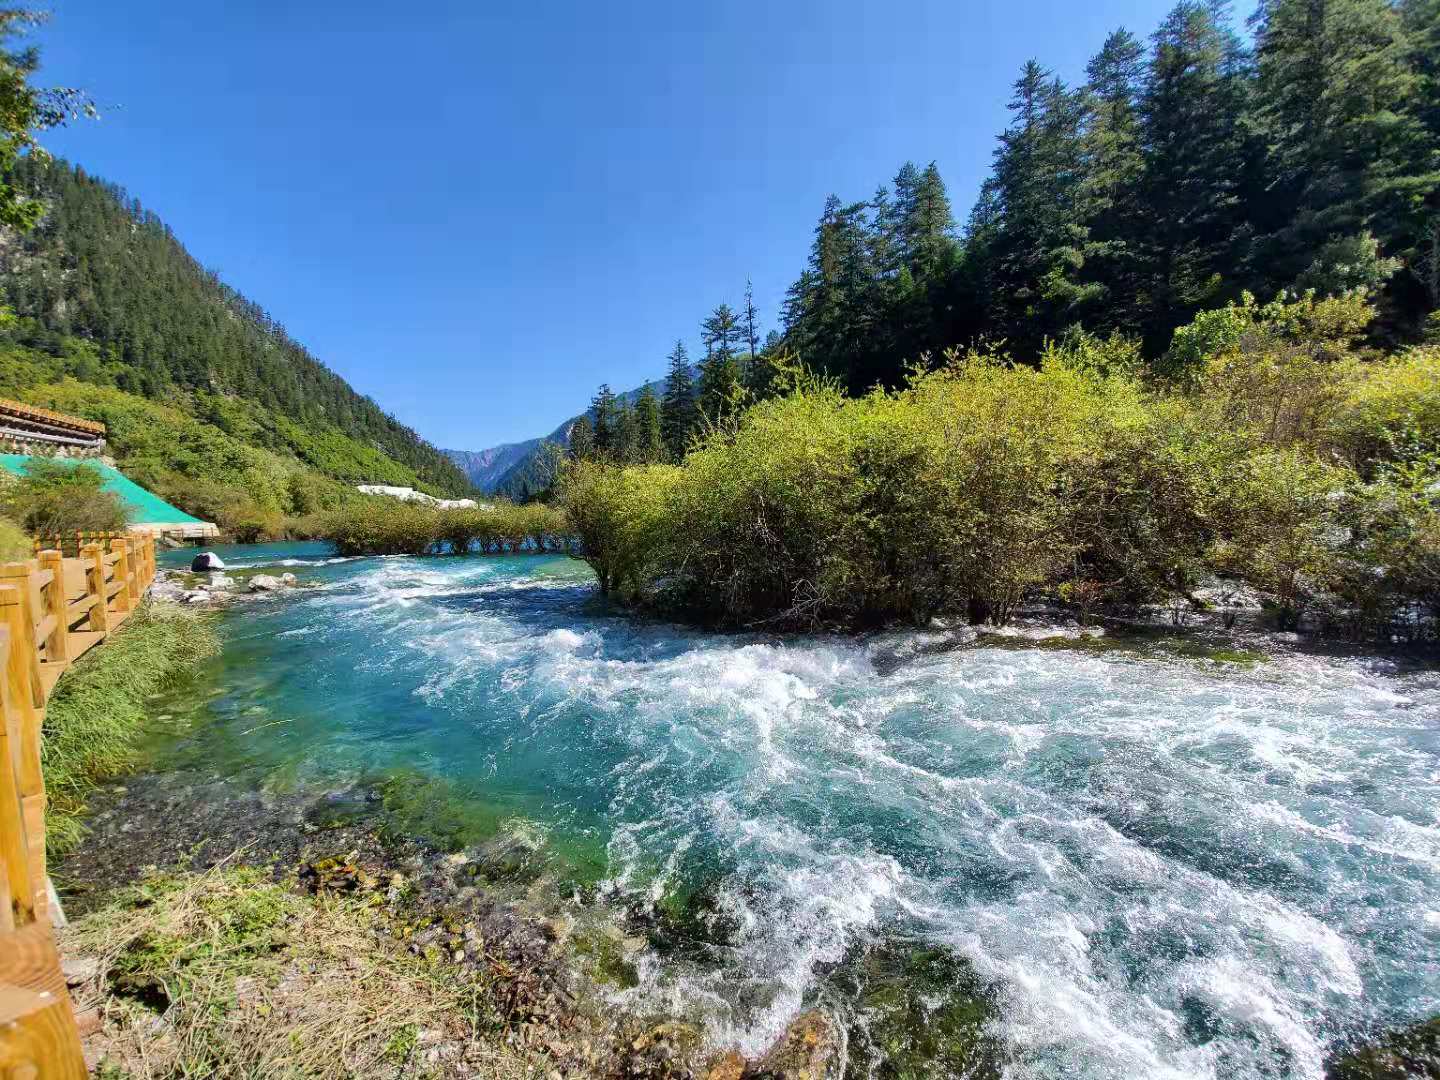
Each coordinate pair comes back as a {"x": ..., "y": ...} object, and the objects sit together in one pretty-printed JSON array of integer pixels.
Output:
[{"x": 52, "y": 609}]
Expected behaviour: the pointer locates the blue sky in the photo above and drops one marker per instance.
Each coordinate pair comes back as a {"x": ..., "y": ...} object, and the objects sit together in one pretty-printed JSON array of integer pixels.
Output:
[{"x": 477, "y": 211}]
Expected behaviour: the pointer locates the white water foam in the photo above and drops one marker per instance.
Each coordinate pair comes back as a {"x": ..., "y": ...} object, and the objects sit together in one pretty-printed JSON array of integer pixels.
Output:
[{"x": 1167, "y": 868}]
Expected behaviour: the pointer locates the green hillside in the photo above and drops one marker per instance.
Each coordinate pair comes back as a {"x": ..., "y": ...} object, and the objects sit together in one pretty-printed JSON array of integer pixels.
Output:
[{"x": 207, "y": 399}]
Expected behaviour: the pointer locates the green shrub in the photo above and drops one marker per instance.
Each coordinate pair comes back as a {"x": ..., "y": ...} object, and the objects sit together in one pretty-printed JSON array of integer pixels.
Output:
[
  {"x": 382, "y": 526},
  {"x": 983, "y": 482},
  {"x": 54, "y": 498}
]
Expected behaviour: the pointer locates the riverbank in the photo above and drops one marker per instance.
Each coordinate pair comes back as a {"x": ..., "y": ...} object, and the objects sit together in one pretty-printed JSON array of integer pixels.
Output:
[
  {"x": 98, "y": 712},
  {"x": 332, "y": 944}
]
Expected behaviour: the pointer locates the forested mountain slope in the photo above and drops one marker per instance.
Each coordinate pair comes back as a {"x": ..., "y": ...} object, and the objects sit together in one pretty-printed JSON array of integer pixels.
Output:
[
  {"x": 484, "y": 468},
  {"x": 111, "y": 309},
  {"x": 526, "y": 478}
]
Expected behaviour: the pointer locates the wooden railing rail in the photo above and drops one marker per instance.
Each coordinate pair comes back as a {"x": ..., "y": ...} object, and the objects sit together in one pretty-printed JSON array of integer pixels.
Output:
[{"x": 53, "y": 608}]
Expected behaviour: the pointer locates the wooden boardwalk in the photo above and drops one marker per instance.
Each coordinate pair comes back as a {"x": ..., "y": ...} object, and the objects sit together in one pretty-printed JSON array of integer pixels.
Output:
[{"x": 53, "y": 609}]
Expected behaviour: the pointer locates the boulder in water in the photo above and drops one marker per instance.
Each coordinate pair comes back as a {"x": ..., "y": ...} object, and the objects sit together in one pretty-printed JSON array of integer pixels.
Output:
[
  {"x": 809, "y": 1050},
  {"x": 265, "y": 583},
  {"x": 206, "y": 560}
]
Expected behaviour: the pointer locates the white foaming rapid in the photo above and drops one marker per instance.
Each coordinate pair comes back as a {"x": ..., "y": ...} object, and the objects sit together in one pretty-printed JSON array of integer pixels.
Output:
[{"x": 1166, "y": 868}]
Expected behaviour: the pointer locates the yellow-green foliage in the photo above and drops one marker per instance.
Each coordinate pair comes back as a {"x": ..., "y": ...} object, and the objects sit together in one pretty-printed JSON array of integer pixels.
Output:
[
  {"x": 1390, "y": 410},
  {"x": 98, "y": 710},
  {"x": 985, "y": 480},
  {"x": 15, "y": 543},
  {"x": 383, "y": 526}
]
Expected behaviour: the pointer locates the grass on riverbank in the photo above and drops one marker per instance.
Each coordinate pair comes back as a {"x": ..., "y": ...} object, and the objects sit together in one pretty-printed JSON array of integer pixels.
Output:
[
  {"x": 97, "y": 714},
  {"x": 228, "y": 974}
]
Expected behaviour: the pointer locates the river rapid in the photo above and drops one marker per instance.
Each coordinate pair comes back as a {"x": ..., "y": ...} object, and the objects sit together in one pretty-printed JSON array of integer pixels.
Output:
[{"x": 1163, "y": 864}]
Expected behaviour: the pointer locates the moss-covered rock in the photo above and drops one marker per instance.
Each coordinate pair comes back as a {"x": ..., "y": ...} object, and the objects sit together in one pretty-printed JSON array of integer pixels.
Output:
[
  {"x": 1411, "y": 1053},
  {"x": 921, "y": 1011}
]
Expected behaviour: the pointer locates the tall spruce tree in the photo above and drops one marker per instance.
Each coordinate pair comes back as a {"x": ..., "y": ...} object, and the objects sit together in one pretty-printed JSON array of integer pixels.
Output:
[
  {"x": 1197, "y": 161},
  {"x": 582, "y": 439},
  {"x": 649, "y": 438},
  {"x": 678, "y": 409},
  {"x": 1037, "y": 239},
  {"x": 830, "y": 313},
  {"x": 720, "y": 375},
  {"x": 1113, "y": 168},
  {"x": 626, "y": 447},
  {"x": 751, "y": 323},
  {"x": 605, "y": 409},
  {"x": 1347, "y": 155}
]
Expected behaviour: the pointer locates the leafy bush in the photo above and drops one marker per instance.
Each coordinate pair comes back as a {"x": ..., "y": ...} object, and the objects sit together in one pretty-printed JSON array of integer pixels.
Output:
[
  {"x": 382, "y": 526},
  {"x": 1285, "y": 456},
  {"x": 54, "y": 498}
]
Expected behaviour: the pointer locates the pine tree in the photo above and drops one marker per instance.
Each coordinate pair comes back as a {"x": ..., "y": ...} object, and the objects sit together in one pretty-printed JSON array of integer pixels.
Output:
[
  {"x": 1197, "y": 163},
  {"x": 1113, "y": 168},
  {"x": 1036, "y": 243},
  {"x": 752, "y": 322},
  {"x": 720, "y": 377},
  {"x": 677, "y": 410},
  {"x": 626, "y": 448},
  {"x": 832, "y": 311},
  {"x": 1335, "y": 81},
  {"x": 582, "y": 439},
  {"x": 649, "y": 438},
  {"x": 605, "y": 409}
]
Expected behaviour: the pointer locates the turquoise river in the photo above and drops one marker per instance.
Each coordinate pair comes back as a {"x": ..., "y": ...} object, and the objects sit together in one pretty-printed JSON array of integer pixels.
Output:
[{"x": 1165, "y": 864}]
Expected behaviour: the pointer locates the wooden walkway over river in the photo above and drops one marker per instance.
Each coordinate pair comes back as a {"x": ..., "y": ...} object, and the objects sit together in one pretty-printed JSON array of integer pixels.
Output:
[{"x": 53, "y": 608}]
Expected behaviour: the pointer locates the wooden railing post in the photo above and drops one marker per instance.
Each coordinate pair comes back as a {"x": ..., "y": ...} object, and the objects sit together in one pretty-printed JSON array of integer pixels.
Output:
[
  {"x": 22, "y": 576},
  {"x": 22, "y": 688},
  {"x": 57, "y": 646},
  {"x": 14, "y": 834},
  {"x": 95, "y": 586},
  {"x": 124, "y": 600}
]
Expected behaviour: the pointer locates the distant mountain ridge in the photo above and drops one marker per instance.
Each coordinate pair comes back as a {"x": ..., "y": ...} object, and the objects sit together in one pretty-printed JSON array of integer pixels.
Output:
[
  {"x": 486, "y": 468},
  {"x": 519, "y": 477}
]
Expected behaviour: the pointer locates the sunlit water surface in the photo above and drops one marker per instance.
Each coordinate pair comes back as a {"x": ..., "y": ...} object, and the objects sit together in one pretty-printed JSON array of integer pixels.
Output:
[{"x": 1167, "y": 867}]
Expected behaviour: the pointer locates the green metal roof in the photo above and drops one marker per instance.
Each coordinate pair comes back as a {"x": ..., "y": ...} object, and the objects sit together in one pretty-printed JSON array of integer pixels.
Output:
[{"x": 144, "y": 507}]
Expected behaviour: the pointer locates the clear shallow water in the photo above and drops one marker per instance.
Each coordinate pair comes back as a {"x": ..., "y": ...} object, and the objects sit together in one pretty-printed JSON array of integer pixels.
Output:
[{"x": 1167, "y": 867}]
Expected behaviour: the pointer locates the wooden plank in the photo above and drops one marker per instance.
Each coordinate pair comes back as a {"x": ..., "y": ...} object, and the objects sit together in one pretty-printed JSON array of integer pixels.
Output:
[
  {"x": 46, "y": 627},
  {"x": 82, "y": 641},
  {"x": 75, "y": 572},
  {"x": 113, "y": 589},
  {"x": 24, "y": 701},
  {"x": 50, "y": 674},
  {"x": 43, "y": 577},
  {"x": 95, "y": 586},
  {"x": 38, "y": 1038}
]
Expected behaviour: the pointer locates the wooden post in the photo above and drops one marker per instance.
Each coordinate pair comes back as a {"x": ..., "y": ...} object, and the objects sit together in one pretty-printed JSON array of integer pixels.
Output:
[
  {"x": 14, "y": 844},
  {"x": 95, "y": 582},
  {"x": 23, "y": 687},
  {"x": 57, "y": 646},
  {"x": 123, "y": 600},
  {"x": 38, "y": 1037},
  {"x": 22, "y": 576}
]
